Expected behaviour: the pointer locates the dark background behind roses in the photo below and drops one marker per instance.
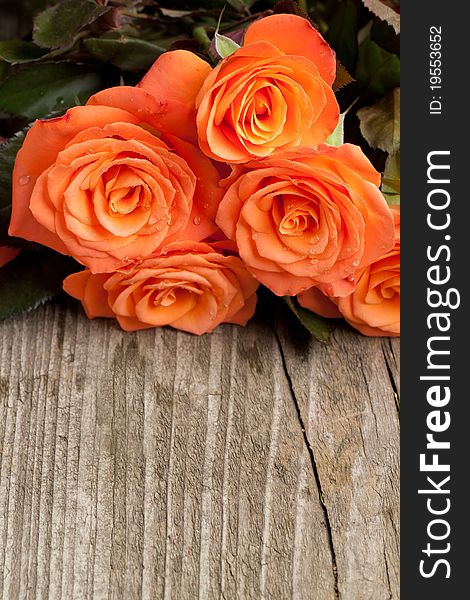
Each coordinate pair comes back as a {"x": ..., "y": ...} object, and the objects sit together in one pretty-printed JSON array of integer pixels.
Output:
[{"x": 60, "y": 52}]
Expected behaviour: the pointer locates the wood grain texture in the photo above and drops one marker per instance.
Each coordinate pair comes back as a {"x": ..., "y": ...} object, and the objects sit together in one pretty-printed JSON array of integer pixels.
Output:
[{"x": 162, "y": 465}]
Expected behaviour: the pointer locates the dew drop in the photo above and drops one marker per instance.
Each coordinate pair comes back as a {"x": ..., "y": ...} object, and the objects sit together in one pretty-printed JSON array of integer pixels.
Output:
[
  {"x": 350, "y": 277},
  {"x": 197, "y": 220},
  {"x": 355, "y": 263},
  {"x": 24, "y": 180},
  {"x": 284, "y": 248},
  {"x": 311, "y": 251}
]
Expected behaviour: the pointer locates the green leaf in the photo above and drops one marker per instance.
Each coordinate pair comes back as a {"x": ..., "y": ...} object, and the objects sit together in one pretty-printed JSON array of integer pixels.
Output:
[
  {"x": 175, "y": 14},
  {"x": 291, "y": 7},
  {"x": 384, "y": 35},
  {"x": 239, "y": 5},
  {"x": 391, "y": 179},
  {"x": 378, "y": 71},
  {"x": 384, "y": 12},
  {"x": 8, "y": 151},
  {"x": 31, "y": 279},
  {"x": 224, "y": 45},
  {"x": 128, "y": 54},
  {"x": 392, "y": 199},
  {"x": 337, "y": 137},
  {"x": 17, "y": 51},
  {"x": 4, "y": 68},
  {"x": 37, "y": 6},
  {"x": 36, "y": 90},
  {"x": 380, "y": 124},
  {"x": 59, "y": 25},
  {"x": 342, "y": 33},
  {"x": 316, "y": 325}
]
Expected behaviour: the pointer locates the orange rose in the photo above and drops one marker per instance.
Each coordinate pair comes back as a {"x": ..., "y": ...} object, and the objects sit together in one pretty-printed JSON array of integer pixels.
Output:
[
  {"x": 190, "y": 286},
  {"x": 109, "y": 182},
  {"x": 307, "y": 217},
  {"x": 374, "y": 306},
  {"x": 273, "y": 93},
  {"x": 7, "y": 254}
]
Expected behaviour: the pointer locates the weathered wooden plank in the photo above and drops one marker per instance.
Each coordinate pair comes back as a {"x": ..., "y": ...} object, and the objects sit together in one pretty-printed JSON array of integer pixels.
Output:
[
  {"x": 163, "y": 465},
  {"x": 346, "y": 396}
]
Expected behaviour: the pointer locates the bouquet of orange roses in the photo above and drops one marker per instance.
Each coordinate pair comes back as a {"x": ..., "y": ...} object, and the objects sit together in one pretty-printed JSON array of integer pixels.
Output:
[{"x": 179, "y": 196}]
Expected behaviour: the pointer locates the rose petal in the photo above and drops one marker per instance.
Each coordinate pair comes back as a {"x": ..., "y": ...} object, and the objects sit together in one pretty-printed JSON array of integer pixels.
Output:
[{"x": 295, "y": 35}]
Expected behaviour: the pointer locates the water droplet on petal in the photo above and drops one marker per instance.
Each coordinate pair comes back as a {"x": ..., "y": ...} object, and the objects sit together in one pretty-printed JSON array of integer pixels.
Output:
[
  {"x": 350, "y": 277},
  {"x": 24, "y": 180},
  {"x": 197, "y": 220},
  {"x": 355, "y": 263},
  {"x": 311, "y": 251}
]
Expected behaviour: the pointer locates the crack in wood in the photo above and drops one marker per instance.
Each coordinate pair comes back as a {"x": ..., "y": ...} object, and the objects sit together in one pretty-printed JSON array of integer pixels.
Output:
[
  {"x": 313, "y": 465},
  {"x": 391, "y": 376}
]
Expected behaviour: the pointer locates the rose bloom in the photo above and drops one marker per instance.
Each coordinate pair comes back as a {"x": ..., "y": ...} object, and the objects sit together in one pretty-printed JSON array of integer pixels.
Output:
[
  {"x": 373, "y": 307},
  {"x": 190, "y": 286},
  {"x": 7, "y": 254},
  {"x": 307, "y": 217},
  {"x": 273, "y": 93},
  {"x": 110, "y": 182}
]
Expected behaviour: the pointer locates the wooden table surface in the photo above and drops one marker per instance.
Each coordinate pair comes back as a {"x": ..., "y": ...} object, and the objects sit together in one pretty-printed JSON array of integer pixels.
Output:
[{"x": 160, "y": 465}]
